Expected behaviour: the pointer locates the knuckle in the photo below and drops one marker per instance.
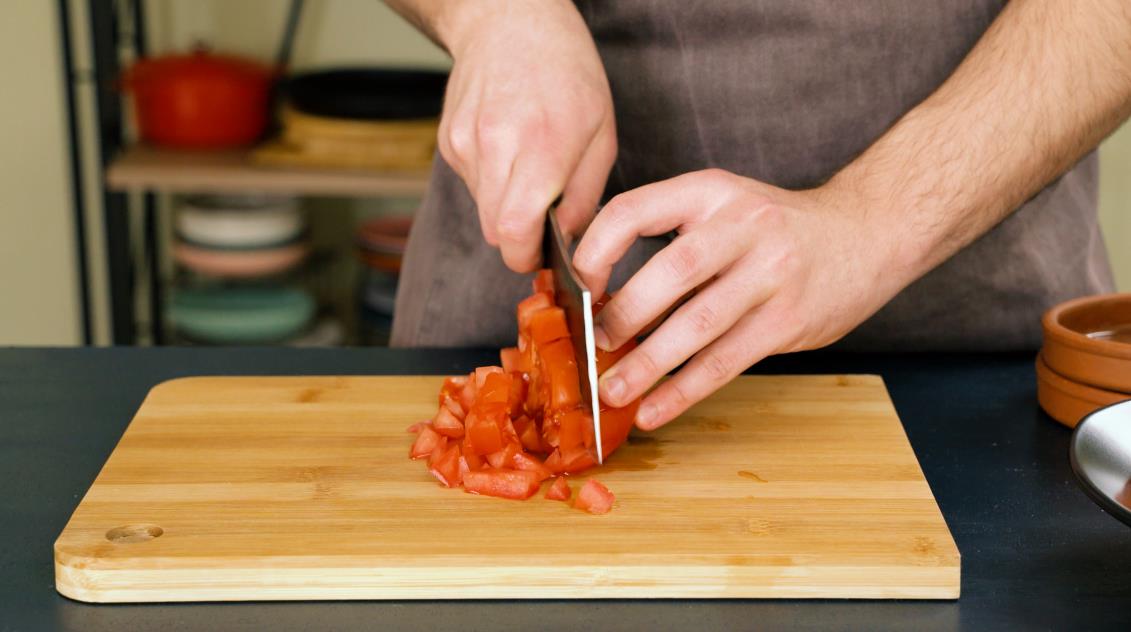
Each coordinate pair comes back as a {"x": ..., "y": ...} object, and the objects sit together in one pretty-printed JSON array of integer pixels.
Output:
[
  {"x": 682, "y": 261},
  {"x": 715, "y": 366},
  {"x": 703, "y": 319},
  {"x": 461, "y": 139},
  {"x": 678, "y": 397},
  {"x": 616, "y": 317},
  {"x": 716, "y": 176}
]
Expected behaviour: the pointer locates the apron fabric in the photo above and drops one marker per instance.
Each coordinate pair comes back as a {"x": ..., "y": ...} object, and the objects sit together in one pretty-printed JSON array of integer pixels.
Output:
[{"x": 787, "y": 92}]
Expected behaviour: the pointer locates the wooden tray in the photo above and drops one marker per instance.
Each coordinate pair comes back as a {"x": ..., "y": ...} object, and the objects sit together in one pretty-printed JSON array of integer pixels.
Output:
[{"x": 227, "y": 488}]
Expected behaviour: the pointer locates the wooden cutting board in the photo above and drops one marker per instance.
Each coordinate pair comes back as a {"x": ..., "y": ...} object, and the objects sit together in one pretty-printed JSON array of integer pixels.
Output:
[{"x": 228, "y": 488}]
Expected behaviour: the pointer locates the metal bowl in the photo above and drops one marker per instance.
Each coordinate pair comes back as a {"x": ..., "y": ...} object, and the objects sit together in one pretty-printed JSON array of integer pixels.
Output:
[{"x": 1101, "y": 458}]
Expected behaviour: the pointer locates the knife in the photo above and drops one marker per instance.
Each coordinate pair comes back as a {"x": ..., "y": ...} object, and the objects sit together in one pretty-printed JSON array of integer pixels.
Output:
[{"x": 576, "y": 300}]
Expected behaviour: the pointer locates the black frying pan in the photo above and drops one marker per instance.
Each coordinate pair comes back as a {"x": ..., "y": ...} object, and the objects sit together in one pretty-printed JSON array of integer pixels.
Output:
[{"x": 366, "y": 93}]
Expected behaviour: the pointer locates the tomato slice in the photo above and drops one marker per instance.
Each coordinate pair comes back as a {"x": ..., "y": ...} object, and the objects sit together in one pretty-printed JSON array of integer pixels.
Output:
[
  {"x": 426, "y": 440},
  {"x": 559, "y": 489},
  {"x": 447, "y": 424},
  {"x": 548, "y": 325},
  {"x": 515, "y": 484},
  {"x": 512, "y": 360},
  {"x": 594, "y": 498},
  {"x": 544, "y": 281},
  {"x": 571, "y": 430}
]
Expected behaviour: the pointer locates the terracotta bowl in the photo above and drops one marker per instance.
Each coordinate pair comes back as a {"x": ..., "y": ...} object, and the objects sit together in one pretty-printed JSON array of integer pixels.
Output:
[
  {"x": 240, "y": 264},
  {"x": 1088, "y": 340},
  {"x": 1068, "y": 402}
]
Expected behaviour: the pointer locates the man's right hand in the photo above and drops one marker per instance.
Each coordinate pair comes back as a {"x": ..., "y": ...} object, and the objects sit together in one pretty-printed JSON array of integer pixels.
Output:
[{"x": 527, "y": 116}]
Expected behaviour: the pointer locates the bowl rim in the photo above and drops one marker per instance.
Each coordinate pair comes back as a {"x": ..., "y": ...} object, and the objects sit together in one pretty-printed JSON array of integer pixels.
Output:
[
  {"x": 1094, "y": 394},
  {"x": 1058, "y": 332}
]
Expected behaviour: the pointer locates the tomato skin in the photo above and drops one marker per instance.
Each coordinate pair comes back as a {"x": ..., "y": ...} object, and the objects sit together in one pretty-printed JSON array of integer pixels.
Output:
[
  {"x": 548, "y": 325},
  {"x": 515, "y": 484},
  {"x": 426, "y": 440},
  {"x": 606, "y": 359},
  {"x": 559, "y": 489},
  {"x": 448, "y": 424},
  {"x": 616, "y": 423},
  {"x": 544, "y": 281},
  {"x": 594, "y": 498}
]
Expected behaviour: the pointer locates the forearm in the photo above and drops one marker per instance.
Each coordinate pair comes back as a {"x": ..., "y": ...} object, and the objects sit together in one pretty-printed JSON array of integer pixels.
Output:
[
  {"x": 440, "y": 20},
  {"x": 1045, "y": 84}
]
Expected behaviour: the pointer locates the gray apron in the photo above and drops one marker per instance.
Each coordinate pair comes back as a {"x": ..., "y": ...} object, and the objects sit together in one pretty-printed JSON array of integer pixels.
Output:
[{"x": 788, "y": 92}]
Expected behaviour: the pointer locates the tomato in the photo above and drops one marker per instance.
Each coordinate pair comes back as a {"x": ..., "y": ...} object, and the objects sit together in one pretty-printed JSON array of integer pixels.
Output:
[
  {"x": 616, "y": 423},
  {"x": 503, "y": 459},
  {"x": 473, "y": 460},
  {"x": 426, "y": 440},
  {"x": 530, "y": 306},
  {"x": 560, "y": 368},
  {"x": 512, "y": 360},
  {"x": 467, "y": 393},
  {"x": 548, "y": 325},
  {"x": 559, "y": 489},
  {"x": 495, "y": 388},
  {"x": 528, "y": 434},
  {"x": 606, "y": 359},
  {"x": 452, "y": 388},
  {"x": 415, "y": 428},
  {"x": 576, "y": 460},
  {"x": 446, "y": 467},
  {"x": 437, "y": 451},
  {"x": 483, "y": 428},
  {"x": 483, "y": 372},
  {"x": 517, "y": 396},
  {"x": 515, "y": 484},
  {"x": 527, "y": 463},
  {"x": 454, "y": 407},
  {"x": 571, "y": 429},
  {"x": 448, "y": 424},
  {"x": 594, "y": 498},
  {"x": 544, "y": 281}
]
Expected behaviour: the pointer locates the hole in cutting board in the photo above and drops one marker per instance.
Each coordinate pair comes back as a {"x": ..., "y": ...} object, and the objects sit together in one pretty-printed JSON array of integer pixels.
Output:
[{"x": 134, "y": 533}]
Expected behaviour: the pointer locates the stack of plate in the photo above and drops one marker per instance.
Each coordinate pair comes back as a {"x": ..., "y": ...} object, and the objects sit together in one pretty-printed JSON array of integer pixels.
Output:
[
  {"x": 381, "y": 245},
  {"x": 1085, "y": 363},
  {"x": 239, "y": 250}
]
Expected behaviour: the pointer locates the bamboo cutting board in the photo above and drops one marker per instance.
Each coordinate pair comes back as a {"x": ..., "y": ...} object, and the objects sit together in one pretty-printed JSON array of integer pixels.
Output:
[{"x": 233, "y": 488}]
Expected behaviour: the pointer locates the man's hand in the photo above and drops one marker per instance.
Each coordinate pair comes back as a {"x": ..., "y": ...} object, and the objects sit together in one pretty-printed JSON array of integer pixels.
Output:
[
  {"x": 784, "y": 271},
  {"x": 775, "y": 271},
  {"x": 527, "y": 116}
]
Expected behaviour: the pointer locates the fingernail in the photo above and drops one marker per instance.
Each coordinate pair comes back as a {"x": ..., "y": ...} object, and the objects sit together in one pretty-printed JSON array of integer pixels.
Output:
[
  {"x": 615, "y": 387},
  {"x": 601, "y": 338},
  {"x": 646, "y": 416}
]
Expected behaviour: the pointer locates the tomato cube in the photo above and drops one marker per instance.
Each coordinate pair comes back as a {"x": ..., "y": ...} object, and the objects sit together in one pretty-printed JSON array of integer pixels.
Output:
[
  {"x": 527, "y": 463},
  {"x": 426, "y": 440},
  {"x": 447, "y": 424},
  {"x": 544, "y": 280},
  {"x": 571, "y": 431},
  {"x": 446, "y": 468},
  {"x": 514, "y": 484},
  {"x": 559, "y": 489},
  {"x": 495, "y": 389},
  {"x": 530, "y": 306},
  {"x": 560, "y": 367},
  {"x": 512, "y": 360},
  {"x": 548, "y": 325},
  {"x": 594, "y": 498},
  {"x": 484, "y": 428}
]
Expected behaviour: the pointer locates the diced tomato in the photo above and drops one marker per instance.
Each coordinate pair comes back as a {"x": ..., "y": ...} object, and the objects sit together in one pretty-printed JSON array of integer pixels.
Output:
[
  {"x": 528, "y": 434},
  {"x": 484, "y": 428},
  {"x": 438, "y": 451},
  {"x": 512, "y": 360},
  {"x": 510, "y": 435},
  {"x": 447, "y": 424},
  {"x": 571, "y": 431},
  {"x": 495, "y": 389},
  {"x": 515, "y": 484},
  {"x": 446, "y": 468},
  {"x": 531, "y": 305},
  {"x": 426, "y": 440},
  {"x": 467, "y": 393},
  {"x": 482, "y": 372},
  {"x": 452, "y": 387},
  {"x": 517, "y": 396},
  {"x": 548, "y": 325},
  {"x": 474, "y": 461},
  {"x": 503, "y": 459},
  {"x": 560, "y": 367},
  {"x": 544, "y": 280},
  {"x": 594, "y": 498},
  {"x": 576, "y": 460},
  {"x": 559, "y": 489},
  {"x": 415, "y": 428},
  {"x": 464, "y": 468},
  {"x": 527, "y": 463}
]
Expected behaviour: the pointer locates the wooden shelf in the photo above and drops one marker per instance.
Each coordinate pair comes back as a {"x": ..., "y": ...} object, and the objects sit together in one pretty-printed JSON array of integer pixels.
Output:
[{"x": 151, "y": 169}]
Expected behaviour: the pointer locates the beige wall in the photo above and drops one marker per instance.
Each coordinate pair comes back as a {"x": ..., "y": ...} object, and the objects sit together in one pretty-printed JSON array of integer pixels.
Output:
[
  {"x": 1115, "y": 203},
  {"x": 39, "y": 299}
]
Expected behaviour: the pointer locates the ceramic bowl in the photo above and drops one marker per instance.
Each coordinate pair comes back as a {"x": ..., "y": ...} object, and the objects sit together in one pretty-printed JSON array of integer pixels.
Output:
[
  {"x": 1067, "y": 401},
  {"x": 241, "y": 315},
  {"x": 240, "y": 222},
  {"x": 1088, "y": 340},
  {"x": 239, "y": 264}
]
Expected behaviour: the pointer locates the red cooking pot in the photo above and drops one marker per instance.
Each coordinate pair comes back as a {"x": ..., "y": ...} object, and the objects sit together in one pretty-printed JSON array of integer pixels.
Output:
[{"x": 200, "y": 100}]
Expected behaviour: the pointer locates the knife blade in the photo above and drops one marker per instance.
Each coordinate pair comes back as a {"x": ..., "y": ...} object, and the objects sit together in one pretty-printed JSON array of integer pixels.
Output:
[{"x": 576, "y": 300}]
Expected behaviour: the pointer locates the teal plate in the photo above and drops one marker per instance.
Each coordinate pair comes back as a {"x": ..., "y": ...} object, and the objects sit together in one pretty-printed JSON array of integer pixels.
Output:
[{"x": 241, "y": 315}]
